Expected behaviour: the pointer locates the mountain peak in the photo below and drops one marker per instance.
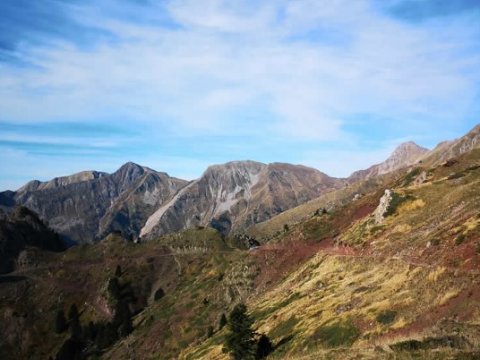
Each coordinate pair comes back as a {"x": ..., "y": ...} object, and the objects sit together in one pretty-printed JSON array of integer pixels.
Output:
[
  {"x": 244, "y": 166},
  {"x": 405, "y": 154},
  {"x": 130, "y": 165},
  {"x": 408, "y": 149}
]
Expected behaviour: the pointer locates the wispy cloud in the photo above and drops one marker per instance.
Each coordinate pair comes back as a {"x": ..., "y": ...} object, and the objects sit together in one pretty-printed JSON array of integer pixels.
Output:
[{"x": 299, "y": 72}]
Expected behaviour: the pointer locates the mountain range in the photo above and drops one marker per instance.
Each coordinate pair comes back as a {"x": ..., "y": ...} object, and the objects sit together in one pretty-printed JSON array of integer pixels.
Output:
[
  {"x": 381, "y": 265},
  {"x": 143, "y": 203}
]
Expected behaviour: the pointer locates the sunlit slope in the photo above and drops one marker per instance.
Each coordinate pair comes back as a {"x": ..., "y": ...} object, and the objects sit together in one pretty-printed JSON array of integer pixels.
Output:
[{"x": 405, "y": 287}]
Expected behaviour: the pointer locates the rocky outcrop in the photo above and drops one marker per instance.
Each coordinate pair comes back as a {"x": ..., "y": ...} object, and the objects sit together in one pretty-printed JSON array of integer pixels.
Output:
[
  {"x": 404, "y": 155},
  {"x": 238, "y": 194},
  {"x": 383, "y": 206},
  {"x": 22, "y": 228},
  {"x": 89, "y": 205}
]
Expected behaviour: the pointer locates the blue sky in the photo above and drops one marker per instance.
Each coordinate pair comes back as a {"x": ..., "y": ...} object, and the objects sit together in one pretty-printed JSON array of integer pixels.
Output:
[{"x": 178, "y": 85}]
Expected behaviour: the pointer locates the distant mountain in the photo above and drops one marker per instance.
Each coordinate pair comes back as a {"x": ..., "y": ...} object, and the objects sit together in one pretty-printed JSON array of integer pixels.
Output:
[
  {"x": 238, "y": 194},
  {"x": 88, "y": 205},
  {"x": 139, "y": 201},
  {"x": 404, "y": 155},
  {"x": 451, "y": 149},
  {"x": 19, "y": 229}
]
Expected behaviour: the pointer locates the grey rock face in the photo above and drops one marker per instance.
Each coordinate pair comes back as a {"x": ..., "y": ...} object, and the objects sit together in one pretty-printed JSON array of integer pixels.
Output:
[
  {"x": 87, "y": 206},
  {"x": 238, "y": 194},
  {"x": 404, "y": 155},
  {"x": 383, "y": 206}
]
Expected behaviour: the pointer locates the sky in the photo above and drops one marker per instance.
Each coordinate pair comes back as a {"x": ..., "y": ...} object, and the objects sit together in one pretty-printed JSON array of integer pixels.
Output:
[{"x": 177, "y": 85}]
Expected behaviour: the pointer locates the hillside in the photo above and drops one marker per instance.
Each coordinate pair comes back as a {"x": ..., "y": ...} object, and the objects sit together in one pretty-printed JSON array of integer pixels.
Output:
[
  {"x": 384, "y": 275},
  {"x": 406, "y": 285},
  {"x": 22, "y": 229}
]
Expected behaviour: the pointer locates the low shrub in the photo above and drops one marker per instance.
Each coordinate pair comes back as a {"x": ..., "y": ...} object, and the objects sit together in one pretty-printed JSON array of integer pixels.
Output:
[
  {"x": 386, "y": 317},
  {"x": 459, "y": 240}
]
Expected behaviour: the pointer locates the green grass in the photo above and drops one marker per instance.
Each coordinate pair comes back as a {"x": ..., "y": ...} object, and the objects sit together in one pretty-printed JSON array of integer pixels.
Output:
[
  {"x": 459, "y": 240},
  {"x": 262, "y": 314},
  {"x": 410, "y": 177},
  {"x": 397, "y": 200},
  {"x": 342, "y": 333},
  {"x": 284, "y": 329}
]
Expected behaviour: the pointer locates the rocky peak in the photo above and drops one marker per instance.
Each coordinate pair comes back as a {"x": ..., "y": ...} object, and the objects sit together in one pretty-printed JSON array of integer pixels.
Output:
[
  {"x": 127, "y": 174},
  {"x": 237, "y": 194},
  {"x": 130, "y": 168},
  {"x": 227, "y": 177},
  {"x": 243, "y": 167},
  {"x": 85, "y": 206},
  {"x": 405, "y": 154},
  {"x": 30, "y": 186}
]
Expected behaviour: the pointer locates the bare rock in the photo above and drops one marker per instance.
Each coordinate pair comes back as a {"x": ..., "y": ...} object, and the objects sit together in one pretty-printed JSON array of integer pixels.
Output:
[{"x": 383, "y": 206}]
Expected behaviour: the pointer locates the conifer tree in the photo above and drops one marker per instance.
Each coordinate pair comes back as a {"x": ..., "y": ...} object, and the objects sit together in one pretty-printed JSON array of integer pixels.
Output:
[
  {"x": 264, "y": 347},
  {"x": 123, "y": 319},
  {"x": 118, "y": 271},
  {"x": 114, "y": 288},
  {"x": 240, "y": 342},
  {"x": 60, "y": 322},
  {"x": 222, "y": 322},
  {"x": 73, "y": 312},
  {"x": 209, "y": 331}
]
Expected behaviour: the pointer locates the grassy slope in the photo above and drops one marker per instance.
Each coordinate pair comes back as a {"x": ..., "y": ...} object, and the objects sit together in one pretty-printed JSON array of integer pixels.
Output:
[
  {"x": 368, "y": 290},
  {"x": 333, "y": 286},
  {"x": 201, "y": 276},
  {"x": 265, "y": 230}
]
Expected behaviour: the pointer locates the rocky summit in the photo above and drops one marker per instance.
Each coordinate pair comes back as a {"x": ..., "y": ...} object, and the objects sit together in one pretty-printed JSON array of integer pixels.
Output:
[
  {"x": 404, "y": 155},
  {"x": 238, "y": 194},
  {"x": 87, "y": 206}
]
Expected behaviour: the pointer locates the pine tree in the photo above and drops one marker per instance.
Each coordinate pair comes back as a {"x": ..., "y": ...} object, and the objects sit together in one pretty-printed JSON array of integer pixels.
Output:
[
  {"x": 158, "y": 294},
  {"x": 240, "y": 342},
  {"x": 75, "y": 329},
  {"x": 70, "y": 350},
  {"x": 209, "y": 331},
  {"x": 264, "y": 347},
  {"x": 222, "y": 322},
  {"x": 90, "y": 331},
  {"x": 123, "y": 319},
  {"x": 74, "y": 322},
  {"x": 118, "y": 271},
  {"x": 111, "y": 334},
  {"x": 60, "y": 322},
  {"x": 114, "y": 288},
  {"x": 73, "y": 312}
]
